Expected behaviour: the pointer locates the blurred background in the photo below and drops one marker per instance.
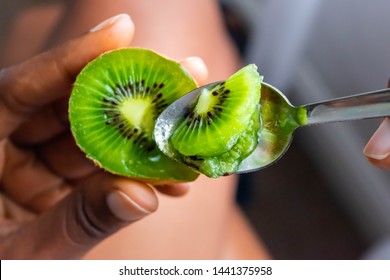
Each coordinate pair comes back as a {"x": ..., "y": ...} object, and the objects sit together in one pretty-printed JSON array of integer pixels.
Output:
[{"x": 322, "y": 200}]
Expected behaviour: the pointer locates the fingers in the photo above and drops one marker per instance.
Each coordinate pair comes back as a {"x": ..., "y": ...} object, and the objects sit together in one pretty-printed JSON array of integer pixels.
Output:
[
  {"x": 43, "y": 125},
  {"x": 100, "y": 205},
  {"x": 47, "y": 77},
  {"x": 197, "y": 68},
  {"x": 11, "y": 211},
  {"x": 377, "y": 149},
  {"x": 65, "y": 158},
  {"x": 69, "y": 162},
  {"x": 28, "y": 182},
  {"x": 38, "y": 185},
  {"x": 177, "y": 189}
]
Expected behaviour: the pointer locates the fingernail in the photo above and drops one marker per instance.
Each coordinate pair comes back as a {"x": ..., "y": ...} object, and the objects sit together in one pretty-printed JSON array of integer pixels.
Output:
[
  {"x": 109, "y": 22},
  {"x": 126, "y": 208},
  {"x": 378, "y": 147},
  {"x": 195, "y": 59},
  {"x": 196, "y": 67}
]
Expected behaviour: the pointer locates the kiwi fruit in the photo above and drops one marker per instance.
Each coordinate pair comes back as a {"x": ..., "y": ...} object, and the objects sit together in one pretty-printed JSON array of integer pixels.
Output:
[
  {"x": 228, "y": 162},
  {"x": 114, "y": 103},
  {"x": 222, "y": 128}
]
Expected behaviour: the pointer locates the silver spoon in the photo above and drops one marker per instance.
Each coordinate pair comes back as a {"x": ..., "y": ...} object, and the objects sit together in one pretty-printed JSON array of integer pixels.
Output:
[{"x": 279, "y": 120}]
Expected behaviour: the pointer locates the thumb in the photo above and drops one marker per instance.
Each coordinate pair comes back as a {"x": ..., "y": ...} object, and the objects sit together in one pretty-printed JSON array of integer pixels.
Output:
[
  {"x": 101, "y": 205},
  {"x": 48, "y": 76}
]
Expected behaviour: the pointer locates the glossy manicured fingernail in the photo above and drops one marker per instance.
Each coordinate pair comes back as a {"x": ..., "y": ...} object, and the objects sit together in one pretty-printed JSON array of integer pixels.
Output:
[
  {"x": 110, "y": 21},
  {"x": 132, "y": 203},
  {"x": 378, "y": 147}
]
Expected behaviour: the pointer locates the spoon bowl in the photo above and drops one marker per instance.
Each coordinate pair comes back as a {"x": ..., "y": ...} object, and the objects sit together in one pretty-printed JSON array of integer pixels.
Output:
[{"x": 279, "y": 119}]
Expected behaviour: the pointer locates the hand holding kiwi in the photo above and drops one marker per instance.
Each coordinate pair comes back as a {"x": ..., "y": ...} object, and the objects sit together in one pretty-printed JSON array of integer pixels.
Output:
[
  {"x": 118, "y": 96},
  {"x": 47, "y": 210}
]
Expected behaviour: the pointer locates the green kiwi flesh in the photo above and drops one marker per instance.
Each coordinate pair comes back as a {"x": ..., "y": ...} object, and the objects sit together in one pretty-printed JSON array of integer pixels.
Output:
[
  {"x": 220, "y": 115},
  {"x": 228, "y": 162},
  {"x": 114, "y": 103},
  {"x": 222, "y": 127}
]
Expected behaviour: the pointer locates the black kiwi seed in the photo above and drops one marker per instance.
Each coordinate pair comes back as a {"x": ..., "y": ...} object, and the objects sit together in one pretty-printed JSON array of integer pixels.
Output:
[{"x": 158, "y": 96}]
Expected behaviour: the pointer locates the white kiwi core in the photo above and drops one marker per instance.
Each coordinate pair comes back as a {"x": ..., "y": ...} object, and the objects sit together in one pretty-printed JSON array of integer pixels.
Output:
[
  {"x": 137, "y": 112},
  {"x": 205, "y": 102}
]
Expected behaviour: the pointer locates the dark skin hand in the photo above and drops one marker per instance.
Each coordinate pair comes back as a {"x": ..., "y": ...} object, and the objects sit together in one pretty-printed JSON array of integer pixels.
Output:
[{"x": 54, "y": 203}]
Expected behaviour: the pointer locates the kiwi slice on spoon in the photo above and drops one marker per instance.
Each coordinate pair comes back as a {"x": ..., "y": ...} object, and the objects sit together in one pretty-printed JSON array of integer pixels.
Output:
[
  {"x": 228, "y": 162},
  {"x": 221, "y": 128},
  {"x": 114, "y": 103},
  {"x": 220, "y": 116}
]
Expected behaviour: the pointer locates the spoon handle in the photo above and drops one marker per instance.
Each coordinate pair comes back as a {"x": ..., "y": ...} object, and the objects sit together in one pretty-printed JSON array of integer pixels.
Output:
[{"x": 355, "y": 107}]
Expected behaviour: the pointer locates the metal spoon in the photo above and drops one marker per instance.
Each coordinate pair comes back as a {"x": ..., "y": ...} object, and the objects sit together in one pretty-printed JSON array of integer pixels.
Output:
[{"x": 279, "y": 120}]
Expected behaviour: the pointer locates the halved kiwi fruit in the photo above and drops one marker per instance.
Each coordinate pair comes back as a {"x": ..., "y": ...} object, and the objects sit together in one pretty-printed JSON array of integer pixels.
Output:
[
  {"x": 113, "y": 107},
  {"x": 222, "y": 127}
]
